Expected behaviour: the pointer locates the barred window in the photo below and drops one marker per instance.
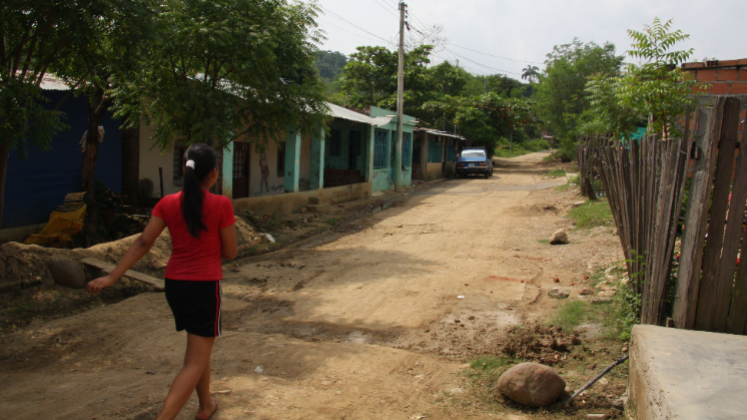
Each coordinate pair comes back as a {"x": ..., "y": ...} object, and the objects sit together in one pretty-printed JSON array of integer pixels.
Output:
[{"x": 380, "y": 149}]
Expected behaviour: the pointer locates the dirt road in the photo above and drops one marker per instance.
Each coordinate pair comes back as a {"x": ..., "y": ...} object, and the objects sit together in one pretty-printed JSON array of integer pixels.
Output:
[{"x": 370, "y": 322}]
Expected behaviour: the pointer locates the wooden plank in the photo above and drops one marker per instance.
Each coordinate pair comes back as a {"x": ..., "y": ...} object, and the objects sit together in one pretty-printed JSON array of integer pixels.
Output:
[
  {"x": 711, "y": 292},
  {"x": 737, "y": 322},
  {"x": 691, "y": 256},
  {"x": 158, "y": 284}
]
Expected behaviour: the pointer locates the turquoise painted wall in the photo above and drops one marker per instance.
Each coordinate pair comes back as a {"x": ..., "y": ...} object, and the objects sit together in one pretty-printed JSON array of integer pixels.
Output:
[{"x": 382, "y": 178}]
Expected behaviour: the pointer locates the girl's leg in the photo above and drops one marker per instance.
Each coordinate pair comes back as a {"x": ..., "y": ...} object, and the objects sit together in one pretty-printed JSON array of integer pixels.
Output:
[
  {"x": 207, "y": 405},
  {"x": 196, "y": 360}
]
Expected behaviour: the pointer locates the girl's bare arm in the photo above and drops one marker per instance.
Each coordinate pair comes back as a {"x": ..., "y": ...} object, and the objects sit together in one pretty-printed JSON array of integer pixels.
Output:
[{"x": 140, "y": 247}]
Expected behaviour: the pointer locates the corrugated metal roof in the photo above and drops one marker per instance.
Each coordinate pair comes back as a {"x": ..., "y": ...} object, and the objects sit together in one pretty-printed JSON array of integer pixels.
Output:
[
  {"x": 440, "y": 133},
  {"x": 346, "y": 114}
]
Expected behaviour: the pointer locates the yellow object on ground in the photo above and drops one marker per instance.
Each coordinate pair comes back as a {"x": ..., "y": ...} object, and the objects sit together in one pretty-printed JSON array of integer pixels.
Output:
[{"x": 62, "y": 226}]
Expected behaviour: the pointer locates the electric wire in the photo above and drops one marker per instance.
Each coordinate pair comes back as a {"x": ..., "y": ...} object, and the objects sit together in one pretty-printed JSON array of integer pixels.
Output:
[
  {"x": 386, "y": 8},
  {"x": 351, "y": 23},
  {"x": 496, "y": 56},
  {"x": 353, "y": 33}
]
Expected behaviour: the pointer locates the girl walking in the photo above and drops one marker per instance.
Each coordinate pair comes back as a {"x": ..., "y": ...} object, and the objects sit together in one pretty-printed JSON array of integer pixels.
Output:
[{"x": 202, "y": 231}]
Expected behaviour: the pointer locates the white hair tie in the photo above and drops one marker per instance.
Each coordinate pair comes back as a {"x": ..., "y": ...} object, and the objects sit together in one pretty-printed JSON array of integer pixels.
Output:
[{"x": 190, "y": 164}]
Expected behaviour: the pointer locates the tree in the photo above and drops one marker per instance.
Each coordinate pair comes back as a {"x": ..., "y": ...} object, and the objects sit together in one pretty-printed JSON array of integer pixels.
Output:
[
  {"x": 657, "y": 90},
  {"x": 486, "y": 118},
  {"x": 561, "y": 95},
  {"x": 36, "y": 35},
  {"x": 530, "y": 73},
  {"x": 229, "y": 68},
  {"x": 120, "y": 43},
  {"x": 330, "y": 64},
  {"x": 370, "y": 78}
]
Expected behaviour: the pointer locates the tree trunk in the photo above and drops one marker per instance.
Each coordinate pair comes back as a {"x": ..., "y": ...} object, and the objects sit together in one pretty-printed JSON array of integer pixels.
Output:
[
  {"x": 4, "y": 155},
  {"x": 97, "y": 107}
]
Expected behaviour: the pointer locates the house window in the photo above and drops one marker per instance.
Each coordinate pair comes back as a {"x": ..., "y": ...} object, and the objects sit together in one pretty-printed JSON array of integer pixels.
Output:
[
  {"x": 434, "y": 151},
  {"x": 380, "y": 149},
  {"x": 335, "y": 143},
  {"x": 281, "y": 160},
  {"x": 407, "y": 149},
  {"x": 179, "y": 164}
]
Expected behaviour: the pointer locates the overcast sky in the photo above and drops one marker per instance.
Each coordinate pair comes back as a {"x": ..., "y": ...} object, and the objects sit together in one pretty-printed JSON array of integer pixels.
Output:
[{"x": 528, "y": 30}]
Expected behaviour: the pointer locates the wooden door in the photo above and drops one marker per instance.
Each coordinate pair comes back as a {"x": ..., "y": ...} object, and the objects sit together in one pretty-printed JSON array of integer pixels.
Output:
[{"x": 241, "y": 155}]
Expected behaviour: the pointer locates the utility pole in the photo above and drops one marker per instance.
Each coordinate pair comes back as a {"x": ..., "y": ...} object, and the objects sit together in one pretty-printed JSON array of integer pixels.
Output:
[{"x": 400, "y": 98}]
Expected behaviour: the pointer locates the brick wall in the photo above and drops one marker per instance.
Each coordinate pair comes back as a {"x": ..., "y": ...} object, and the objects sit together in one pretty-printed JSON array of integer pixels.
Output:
[{"x": 727, "y": 77}]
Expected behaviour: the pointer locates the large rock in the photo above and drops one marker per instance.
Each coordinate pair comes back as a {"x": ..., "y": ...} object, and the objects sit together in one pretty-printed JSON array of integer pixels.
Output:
[
  {"x": 559, "y": 238},
  {"x": 66, "y": 272},
  {"x": 531, "y": 384}
]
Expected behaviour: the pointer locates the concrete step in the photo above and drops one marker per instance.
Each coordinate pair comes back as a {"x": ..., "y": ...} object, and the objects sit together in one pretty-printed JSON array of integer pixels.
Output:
[{"x": 687, "y": 375}]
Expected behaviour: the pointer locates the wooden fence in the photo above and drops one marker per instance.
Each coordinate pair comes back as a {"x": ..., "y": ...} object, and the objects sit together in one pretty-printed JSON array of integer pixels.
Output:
[
  {"x": 587, "y": 151},
  {"x": 645, "y": 183}
]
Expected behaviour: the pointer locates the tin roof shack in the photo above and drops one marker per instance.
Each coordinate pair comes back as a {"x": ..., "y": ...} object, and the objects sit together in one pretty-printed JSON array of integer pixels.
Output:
[
  {"x": 36, "y": 185},
  {"x": 383, "y": 152},
  {"x": 435, "y": 153}
]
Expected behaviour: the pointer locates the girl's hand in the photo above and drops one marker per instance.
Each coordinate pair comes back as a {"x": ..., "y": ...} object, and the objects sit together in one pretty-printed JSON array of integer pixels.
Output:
[{"x": 95, "y": 286}]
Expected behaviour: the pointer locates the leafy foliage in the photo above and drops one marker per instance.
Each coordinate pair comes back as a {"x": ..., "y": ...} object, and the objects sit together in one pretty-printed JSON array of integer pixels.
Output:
[
  {"x": 657, "y": 90},
  {"x": 658, "y": 87},
  {"x": 561, "y": 95},
  {"x": 227, "y": 68},
  {"x": 330, "y": 64}
]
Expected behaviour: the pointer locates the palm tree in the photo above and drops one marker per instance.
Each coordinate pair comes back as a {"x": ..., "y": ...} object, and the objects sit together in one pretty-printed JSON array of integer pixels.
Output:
[{"x": 531, "y": 73}]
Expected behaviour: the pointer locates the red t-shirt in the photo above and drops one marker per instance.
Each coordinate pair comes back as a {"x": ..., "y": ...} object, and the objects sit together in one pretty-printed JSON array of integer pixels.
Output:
[{"x": 195, "y": 258}]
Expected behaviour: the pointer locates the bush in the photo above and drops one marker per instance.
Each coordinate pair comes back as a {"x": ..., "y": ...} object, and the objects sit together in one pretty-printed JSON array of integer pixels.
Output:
[{"x": 520, "y": 148}]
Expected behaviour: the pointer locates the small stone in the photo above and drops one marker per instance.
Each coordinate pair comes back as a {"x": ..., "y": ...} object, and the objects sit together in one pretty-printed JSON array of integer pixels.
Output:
[
  {"x": 559, "y": 293},
  {"x": 531, "y": 384},
  {"x": 66, "y": 272},
  {"x": 586, "y": 292},
  {"x": 556, "y": 280},
  {"x": 607, "y": 293},
  {"x": 457, "y": 391},
  {"x": 601, "y": 300},
  {"x": 602, "y": 284},
  {"x": 559, "y": 238},
  {"x": 578, "y": 203},
  {"x": 586, "y": 277},
  {"x": 625, "y": 349}
]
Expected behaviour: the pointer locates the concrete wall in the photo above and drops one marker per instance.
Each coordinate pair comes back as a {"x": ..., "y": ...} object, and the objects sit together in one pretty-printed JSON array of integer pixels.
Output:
[
  {"x": 290, "y": 202},
  {"x": 152, "y": 159}
]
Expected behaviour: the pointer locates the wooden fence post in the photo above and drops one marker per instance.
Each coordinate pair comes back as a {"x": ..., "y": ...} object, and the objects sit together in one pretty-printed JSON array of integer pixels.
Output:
[
  {"x": 715, "y": 289},
  {"x": 691, "y": 256}
]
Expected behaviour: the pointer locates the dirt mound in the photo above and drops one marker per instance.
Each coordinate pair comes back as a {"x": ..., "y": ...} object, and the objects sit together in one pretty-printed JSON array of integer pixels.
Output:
[
  {"x": 545, "y": 344},
  {"x": 27, "y": 264}
]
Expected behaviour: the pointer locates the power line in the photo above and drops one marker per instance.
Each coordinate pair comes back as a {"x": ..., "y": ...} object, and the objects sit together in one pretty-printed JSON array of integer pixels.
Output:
[
  {"x": 386, "y": 8},
  {"x": 351, "y": 23},
  {"x": 496, "y": 56},
  {"x": 352, "y": 33},
  {"x": 482, "y": 65}
]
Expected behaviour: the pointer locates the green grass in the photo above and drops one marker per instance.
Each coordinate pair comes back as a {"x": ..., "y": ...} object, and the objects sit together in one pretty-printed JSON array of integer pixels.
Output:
[
  {"x": 544, "y": 241},
  {"x": 333, "y": 221},
  {"x": 571, "y": 314},
  {"x": 556, "y": 173},
  {"x": 563, "y": 188},
  {"x": 592, "y": 214},
  {"x": 488, "y": 363},
  {"x": 519, "y": 149}
]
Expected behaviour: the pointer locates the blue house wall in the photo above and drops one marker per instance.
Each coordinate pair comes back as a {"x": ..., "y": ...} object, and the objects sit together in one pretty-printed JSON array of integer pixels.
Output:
[{"x": 38, "y": 184}]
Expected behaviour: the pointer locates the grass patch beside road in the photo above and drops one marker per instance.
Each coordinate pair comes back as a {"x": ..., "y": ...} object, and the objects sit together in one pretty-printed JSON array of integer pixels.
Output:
[
  {"x": 592, "y": 214},
  {"x": 571, "y": 314},
  {"x": 556, "y": 173}
]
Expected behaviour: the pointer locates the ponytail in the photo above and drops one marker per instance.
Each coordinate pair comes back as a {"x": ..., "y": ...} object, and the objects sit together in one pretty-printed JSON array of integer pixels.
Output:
[{"x": 199, "y": 161}]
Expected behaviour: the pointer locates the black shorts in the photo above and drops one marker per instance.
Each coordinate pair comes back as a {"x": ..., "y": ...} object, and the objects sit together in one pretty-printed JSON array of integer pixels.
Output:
[{"x": 196, "y": 306}]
